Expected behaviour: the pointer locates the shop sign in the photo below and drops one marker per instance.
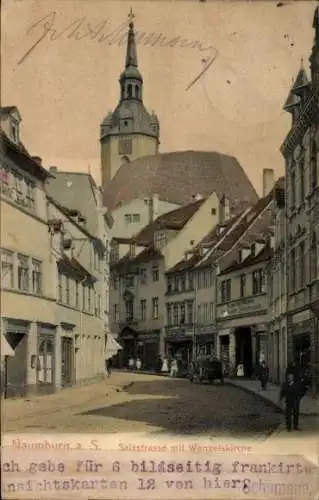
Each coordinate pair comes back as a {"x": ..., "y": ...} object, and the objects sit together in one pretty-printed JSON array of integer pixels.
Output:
[{"x": 244, "y": 306}]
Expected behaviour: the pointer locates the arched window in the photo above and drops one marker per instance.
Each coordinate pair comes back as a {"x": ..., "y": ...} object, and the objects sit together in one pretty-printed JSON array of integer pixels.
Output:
[
  {"x": 302, "y": 178},
  {"x": 314, "y": 256},
  {"x": 313, "y": 164},
  {"x": 137, "y": 92},
  {"x": 129, "y": 91}
]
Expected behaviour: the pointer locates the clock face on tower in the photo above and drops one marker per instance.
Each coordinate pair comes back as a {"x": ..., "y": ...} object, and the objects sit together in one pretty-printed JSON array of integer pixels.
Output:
[{"x": 125, "y": 146}]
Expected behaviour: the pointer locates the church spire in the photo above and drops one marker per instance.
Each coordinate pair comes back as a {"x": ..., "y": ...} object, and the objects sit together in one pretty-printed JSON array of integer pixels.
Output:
[
  {"x": 131, "y": 80},
  {"x": 131, "y": 55}
]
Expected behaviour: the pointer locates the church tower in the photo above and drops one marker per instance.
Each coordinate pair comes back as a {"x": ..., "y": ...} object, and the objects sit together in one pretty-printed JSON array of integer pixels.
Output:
[
  {"x": 130, "y": 132},
  {"x": 314, "y": 57}
]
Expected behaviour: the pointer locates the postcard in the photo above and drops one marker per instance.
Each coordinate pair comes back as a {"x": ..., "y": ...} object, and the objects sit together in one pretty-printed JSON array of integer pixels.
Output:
[{"x": 159, "y": 191}]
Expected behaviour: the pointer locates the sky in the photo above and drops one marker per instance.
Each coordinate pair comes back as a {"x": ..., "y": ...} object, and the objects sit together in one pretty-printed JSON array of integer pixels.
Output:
[{"x": 62, "y": 60}]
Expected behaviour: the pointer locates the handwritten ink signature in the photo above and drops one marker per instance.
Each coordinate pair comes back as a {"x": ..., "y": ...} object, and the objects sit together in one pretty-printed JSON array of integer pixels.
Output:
[{"x": 82, "y": 28}]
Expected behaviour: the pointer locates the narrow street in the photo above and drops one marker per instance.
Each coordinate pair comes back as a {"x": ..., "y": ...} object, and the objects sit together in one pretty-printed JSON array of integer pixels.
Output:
[{"x": 145, "y": 403}]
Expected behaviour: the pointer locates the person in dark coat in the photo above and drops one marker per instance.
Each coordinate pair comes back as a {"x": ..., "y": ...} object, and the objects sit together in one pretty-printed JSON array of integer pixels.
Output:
[
  {"x": 263, "y": 375},
  {"x": 291, "y": 391},
  {"x": 294, "y": 369}
]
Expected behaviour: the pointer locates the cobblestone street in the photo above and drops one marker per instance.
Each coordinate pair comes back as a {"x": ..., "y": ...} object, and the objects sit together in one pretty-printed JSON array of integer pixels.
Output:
[{"x": 145, "y": 403}]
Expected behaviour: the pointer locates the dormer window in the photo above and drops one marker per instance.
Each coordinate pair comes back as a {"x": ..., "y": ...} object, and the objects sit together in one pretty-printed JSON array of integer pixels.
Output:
[
  {"x": 159, "y": 239},
  {"x": 253, "y": 249},
  {"x": 132, "y": 249},
  {"x": 14, "y": 133},
  {"x": 239, "y": 256}
]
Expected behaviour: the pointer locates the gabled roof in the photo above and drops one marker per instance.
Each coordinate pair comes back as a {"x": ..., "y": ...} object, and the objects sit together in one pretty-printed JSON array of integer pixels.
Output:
[
  {"x": 8, "y": 110},
  {"x": 291, "y": 101},
  {"x": 175, "y": 220},
  {"x": 264, "y": 255},
  {"x": 21, "y": 158},
  {"x": 127, "y": 261},
  {"x": 209, "y": 240}
]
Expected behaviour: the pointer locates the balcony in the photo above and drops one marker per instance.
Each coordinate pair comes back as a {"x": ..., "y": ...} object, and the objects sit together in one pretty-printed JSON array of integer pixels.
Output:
[{"x": 247, "y": 306}]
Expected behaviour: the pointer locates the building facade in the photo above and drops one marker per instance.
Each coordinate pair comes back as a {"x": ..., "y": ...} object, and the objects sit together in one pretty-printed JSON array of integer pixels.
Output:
[
  {"x": 300, "y": 150},
  {"x": 54, "y": 271},
  {"x": 28, "y": 291}
]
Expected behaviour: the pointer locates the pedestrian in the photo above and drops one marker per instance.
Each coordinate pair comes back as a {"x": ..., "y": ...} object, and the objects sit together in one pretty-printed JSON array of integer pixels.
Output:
[
  {"x": 138, "y": 364},
  {"x": 131, "y": 363},
  {"x": 174, "y": 368},
  {"x": 109, "y": 367},
  {"x": 291, "y": 392},
  {"x": 263, "y": 375},
  {"x": 164, "y": 367}
]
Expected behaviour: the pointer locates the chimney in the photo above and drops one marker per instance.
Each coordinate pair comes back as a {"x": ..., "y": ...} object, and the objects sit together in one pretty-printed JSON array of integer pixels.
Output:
[
  {"x": 153, "y": 202},
  {"x": 224, "y": 210},
  {"x": 268, "y": 181},
  {"x": 53, "y": 169},
  {"x": 38, "y": 160}
]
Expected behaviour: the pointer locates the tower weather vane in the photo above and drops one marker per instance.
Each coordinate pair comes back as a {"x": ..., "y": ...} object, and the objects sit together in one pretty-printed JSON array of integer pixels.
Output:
[{"x": 131, "y": 15}]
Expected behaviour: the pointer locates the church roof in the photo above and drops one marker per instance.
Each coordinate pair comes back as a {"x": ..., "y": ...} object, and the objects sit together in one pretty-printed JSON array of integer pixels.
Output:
[
  {"x": 139, "y": 120},
  {"x": 301, "y": 81},
  {"x": 176, "y": 177}
]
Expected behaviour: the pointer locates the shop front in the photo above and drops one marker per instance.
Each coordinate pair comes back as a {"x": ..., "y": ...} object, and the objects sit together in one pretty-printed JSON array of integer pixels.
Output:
[
  {"x": 148, "y": 348},
  {"x": 179, "y": 345}
]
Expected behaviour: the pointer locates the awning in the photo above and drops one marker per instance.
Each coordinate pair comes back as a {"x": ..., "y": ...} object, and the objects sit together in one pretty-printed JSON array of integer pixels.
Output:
[
  {"x": 6, "y": 349},
  {"x": 112, "y": 347}
]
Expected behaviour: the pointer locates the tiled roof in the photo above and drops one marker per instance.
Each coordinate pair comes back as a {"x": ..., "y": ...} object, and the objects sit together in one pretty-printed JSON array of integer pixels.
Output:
[
  {"x": 263, "y": 256},
  {"x": 176, "y": 177},
  {"x": 120, "y": 240},
  {"x": 145, "y": 255},
  {"x": 22, "y": 158},
  {"x": 7, "y": 110},
  {"x": 176, "y": 219},
  {"x": 210, "y": 239}
]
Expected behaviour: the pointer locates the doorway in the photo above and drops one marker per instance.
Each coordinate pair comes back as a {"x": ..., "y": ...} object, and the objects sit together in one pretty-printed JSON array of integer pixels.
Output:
[
  {"x": 244, "y": 350},
  {"x": 16, "y": 366},
  {"x": 66, "y": 361},
  {"x": 46, "y": 366}
]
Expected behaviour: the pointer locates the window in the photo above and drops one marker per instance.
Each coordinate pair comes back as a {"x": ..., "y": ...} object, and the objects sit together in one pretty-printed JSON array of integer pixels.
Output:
[
  {"x": 302, "y": 264},
  {"x": 129, "y": 310},
  {"x": 84, "y": 295},
  {"x": 176, "y": 283},
  {"x": 6, "y": 269},
  {"x": 115, "y": 281},
  {"x": 115, "y": 252},
  {"x": 129, "y": 281},
  {"x": 23, "y": 273},
  {"x": 90, "y": 296},
  {"x": 136, "y": 218},
  {"x": 169, "y": 314},
  {"x": 143, "y": 276},
  {"x": 242, "y": 285},
  {"x": 313, "y": 164},
  {"x": 190, "y": 313},
  {"x": 293, "y": 189},
  {"x": 183, "y": 282},
  {"x": 293, "y": 270},
  {"x": 155, "y": 307},
  {"x": 190, "y": 281},
  {"x": 257, "y": 281},
  {"x": 67, "y": 290},
  {"x": 116, "y": 313},
  {"x": 36, "y": 277},
  {"x": 159, "y": 239},
  {"x": 128, "y": 218},
  {"x": 77, "y": 297},
  {"x": 132, "y": 249},
  {"x": 314, "y": 256},
  {"x": 175, "y": 314},
  {"x": 98, "y": 305},
  {"x": 59, "y": 287},
  {"x": 143, "y": 309},
  {"x": 182, "y": 314},
  {"x": 211, "y": 313},
  {"x": 155, "y": 272},
  {"x": 30, "y": 195},
  {"x": 302, "y": 179},
  {"x": 226, "y": 291},
  {"x": 253, "y": 250},
  {"x": 169, "y": 283}
]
